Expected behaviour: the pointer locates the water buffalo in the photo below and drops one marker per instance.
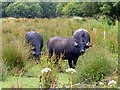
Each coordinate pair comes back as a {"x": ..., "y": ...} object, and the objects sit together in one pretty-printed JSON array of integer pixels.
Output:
[
  {"x": 36, "y": 40},
  {"x": 82, "y": 35},
  {"x": 67, "y": 48}
]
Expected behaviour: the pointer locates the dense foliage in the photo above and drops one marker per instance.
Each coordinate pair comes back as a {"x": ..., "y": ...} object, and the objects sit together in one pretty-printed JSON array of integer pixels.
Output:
[
  {"x": 53, "y": 9},
  {"x": 95, "y": 66}
]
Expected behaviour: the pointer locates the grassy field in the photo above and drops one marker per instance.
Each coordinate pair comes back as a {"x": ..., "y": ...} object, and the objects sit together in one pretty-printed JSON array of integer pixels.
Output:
[{"x": 99, "y": 63}]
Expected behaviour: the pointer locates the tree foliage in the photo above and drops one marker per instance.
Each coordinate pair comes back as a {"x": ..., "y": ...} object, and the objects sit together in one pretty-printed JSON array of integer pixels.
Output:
[
  {"x": 4, "y": 6},
  {"x": 35, "y": 10},
  {"x": 59, "y": 8},
  {"x": 106, "y": 8},
  {"x": 17, "y": 10},
  {"x": 90, "y": 9},
  {"x": 116, "y": 10},
  {"x": 48, "y": 9},
  {"x": 72, "y": 9},
  {"x": 54, "y": 9}
]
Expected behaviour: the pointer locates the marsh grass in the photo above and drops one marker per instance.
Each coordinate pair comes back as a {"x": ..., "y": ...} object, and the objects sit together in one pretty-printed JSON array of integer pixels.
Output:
[
  {"x": 12, "y": 57},
  {"x": 15, "y": 53},
  {"x": 64, "y": 27}
]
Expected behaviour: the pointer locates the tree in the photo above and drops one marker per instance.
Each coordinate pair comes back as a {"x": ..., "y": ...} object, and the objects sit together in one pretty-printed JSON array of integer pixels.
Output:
[
  {"x": 106, "y": 8},
  {"x": 111, "y": 10},
  {"x": 53, "y": 9},
  {"x": 117, "y": 9},
  {"x": 72, "y": 9},
  {"x": 17, "y": 9},
  {"x": 59, "y": 8},
  {"x": 4, "y": 6},
  {"x": 35, "y": 10},
  {"x": 48, "y": 9},
  {"x": 90, "y": 8}
]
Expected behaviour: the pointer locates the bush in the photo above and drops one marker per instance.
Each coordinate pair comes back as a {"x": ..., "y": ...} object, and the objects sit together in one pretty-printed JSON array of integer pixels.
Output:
[{"x": 94, "y": 68}]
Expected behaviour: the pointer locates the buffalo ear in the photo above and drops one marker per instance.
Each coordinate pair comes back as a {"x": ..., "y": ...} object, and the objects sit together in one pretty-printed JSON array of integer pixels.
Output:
[
  {"x": 75, "y": 44},
  {"x": 87, "y": 44}
]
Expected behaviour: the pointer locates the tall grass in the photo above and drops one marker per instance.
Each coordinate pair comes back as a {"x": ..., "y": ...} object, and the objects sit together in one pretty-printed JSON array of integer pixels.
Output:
[
  {"x": 96, "y": 62},
  {"x": 14, "y": 53},
  {"x": 64, "y": 27},
  {"x": 12, "y": 57}
]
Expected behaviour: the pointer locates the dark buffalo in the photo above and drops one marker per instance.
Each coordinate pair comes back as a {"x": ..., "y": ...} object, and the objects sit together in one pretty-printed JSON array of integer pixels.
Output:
[
  {"x": 67, "y": 48},
  {"x": 36, "y": 40},
  {"x": 83, "y": 35}
]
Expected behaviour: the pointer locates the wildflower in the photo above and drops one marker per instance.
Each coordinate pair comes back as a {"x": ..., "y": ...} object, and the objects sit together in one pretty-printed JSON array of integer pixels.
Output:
[
  {"x": 71, "y": 70},
  {"x": 33, "y": 52},
  {"x": 112, "y": 83},
  {"x": 45, "y": 70},
  {"x": 101, "y": 83}
]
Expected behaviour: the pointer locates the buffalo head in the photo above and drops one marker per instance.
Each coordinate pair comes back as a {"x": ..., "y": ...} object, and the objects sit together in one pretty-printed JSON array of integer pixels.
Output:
[{"x": 80, "y": 45}]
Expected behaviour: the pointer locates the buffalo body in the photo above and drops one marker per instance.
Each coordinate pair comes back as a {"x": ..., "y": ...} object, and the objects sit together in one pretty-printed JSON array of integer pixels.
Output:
[
  {"x": 67, "y": 48},
  {"x": 36, "y": 40}
]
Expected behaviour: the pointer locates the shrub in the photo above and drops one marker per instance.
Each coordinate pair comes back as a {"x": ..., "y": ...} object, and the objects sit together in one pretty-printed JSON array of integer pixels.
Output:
[{"x": 94, "y": 68}]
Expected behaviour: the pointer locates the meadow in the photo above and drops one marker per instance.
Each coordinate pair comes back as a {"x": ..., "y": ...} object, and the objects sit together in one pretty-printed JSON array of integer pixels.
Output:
[{"x": 98, "y": 64}]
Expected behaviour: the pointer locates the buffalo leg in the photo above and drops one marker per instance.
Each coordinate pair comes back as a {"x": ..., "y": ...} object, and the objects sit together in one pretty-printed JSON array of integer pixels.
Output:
[
  {"x": 74, "y": 62},
  {"x": 56, "y": 62},
  {"x": 70, "y": 63},
  {"x": 30, "y": 56},
  {"x": 50, "y": 54},
  {"x": 57, "y": 57}
]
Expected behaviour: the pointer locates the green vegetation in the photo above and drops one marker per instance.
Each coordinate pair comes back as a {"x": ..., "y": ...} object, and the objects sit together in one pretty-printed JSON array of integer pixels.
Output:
[
  {"x": 94, "y": 65},
  {"x": 98, "y": 62},
  {"x": 55, "y": 9},
  {"x": 12, "y": 57}
]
